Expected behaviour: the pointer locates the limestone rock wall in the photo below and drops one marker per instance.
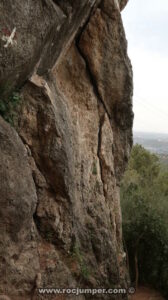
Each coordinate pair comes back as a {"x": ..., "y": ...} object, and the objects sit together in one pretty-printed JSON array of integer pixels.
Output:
[{"x": 62, "y": 163}]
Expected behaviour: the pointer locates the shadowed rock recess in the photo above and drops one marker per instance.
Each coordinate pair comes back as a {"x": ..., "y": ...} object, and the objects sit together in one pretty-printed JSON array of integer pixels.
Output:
[{"x": 63, "y": 156}]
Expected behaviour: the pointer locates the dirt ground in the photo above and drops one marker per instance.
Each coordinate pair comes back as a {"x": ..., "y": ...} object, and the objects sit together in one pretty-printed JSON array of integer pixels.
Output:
[{"x": 145, "y": 293}]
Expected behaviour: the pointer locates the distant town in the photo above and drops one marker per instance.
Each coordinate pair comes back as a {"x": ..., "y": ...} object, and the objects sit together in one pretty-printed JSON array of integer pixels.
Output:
[{"x": 154, "y": 142}]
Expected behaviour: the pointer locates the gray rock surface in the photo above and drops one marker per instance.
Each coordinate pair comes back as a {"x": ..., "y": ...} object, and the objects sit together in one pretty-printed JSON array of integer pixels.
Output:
[
  {"x": 61, "y": 166},
  {"x": 18, "y": 200}
]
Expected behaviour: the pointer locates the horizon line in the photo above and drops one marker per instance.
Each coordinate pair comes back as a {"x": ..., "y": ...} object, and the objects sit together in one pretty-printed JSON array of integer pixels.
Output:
[{"x": 149, "y": 132}]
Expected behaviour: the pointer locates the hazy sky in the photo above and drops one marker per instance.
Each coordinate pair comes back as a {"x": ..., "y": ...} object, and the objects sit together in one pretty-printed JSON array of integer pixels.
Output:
[{"x": 146, "y": 26}]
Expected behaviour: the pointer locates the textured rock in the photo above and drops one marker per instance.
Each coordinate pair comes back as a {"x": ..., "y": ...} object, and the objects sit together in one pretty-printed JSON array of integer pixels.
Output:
[
  {"x": 59, "y": 193},
  {"x": 122, "y": 4},
  {"x": 33, "y": 22},
  {"x": 3, "y": 297},
  {"x": 18, "y": 245},
  {"x": 104, "y": 34},
  {"x": 43, "y": 31}
]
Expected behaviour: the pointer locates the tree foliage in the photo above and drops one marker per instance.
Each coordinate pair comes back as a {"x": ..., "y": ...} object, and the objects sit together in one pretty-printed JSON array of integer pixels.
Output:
[{"x": 144, "y": 200}]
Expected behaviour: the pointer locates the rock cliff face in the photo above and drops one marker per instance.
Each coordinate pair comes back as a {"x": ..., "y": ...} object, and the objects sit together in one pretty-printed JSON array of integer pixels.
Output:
[{"x": 61, "y": 164}]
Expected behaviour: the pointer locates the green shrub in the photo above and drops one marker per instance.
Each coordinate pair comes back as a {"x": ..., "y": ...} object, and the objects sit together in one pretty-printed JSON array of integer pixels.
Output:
[
  {"x": 144, "y": 200},
  {"x": 8, "y": 106}
]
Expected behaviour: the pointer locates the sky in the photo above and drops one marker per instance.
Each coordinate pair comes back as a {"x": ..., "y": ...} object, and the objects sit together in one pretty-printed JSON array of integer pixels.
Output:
[{"x": 146, "y": 26}]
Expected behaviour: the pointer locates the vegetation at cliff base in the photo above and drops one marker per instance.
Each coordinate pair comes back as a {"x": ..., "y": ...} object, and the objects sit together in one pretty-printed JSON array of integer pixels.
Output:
[{"x": 144, "y": 200}]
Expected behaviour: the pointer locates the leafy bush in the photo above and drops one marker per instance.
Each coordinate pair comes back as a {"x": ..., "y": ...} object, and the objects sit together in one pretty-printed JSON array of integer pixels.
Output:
[
  {"x": 144, "y": 200},
  {"x": 8, "y": 106}
]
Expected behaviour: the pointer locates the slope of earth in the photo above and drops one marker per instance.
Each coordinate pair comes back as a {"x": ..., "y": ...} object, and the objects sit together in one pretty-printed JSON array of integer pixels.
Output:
[{"x": 145, "y": 293}]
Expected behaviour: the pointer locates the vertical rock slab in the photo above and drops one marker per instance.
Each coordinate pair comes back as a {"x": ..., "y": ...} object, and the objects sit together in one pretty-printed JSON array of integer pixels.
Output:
[
  {"x": 111, "y": 73},
  {"x": 18, "y": 238},
  {"x": 60, "y": 199}
]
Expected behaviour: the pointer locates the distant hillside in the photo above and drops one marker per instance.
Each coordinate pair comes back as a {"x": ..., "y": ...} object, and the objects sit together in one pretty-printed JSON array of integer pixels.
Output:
[{"x": 154, "y": 142}]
